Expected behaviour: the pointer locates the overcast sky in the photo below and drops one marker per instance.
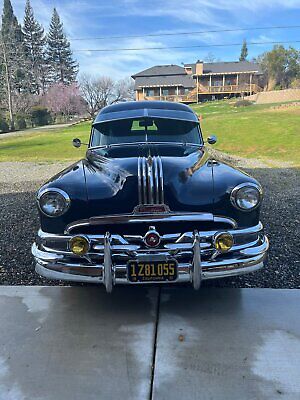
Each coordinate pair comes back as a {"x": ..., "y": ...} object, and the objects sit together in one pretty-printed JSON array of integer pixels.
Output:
[{"x": 94, "y": 18}]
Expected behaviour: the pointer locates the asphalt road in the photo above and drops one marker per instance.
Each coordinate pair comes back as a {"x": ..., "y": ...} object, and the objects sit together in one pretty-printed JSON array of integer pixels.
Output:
[{"x": 19, "y": 223}]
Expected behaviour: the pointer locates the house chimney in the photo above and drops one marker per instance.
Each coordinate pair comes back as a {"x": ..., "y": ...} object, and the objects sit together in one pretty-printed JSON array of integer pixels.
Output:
[
  {"x": 188, "y": 69},
  {"x": 199, "y": 67}
]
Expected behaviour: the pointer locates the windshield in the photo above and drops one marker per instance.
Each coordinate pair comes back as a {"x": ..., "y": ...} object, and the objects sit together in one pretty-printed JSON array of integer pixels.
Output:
[{"x": 156, "y": 130}]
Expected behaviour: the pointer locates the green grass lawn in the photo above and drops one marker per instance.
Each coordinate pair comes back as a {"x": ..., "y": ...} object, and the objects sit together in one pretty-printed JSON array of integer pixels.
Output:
[
  {"x": 256, "y": 131},
  {"x": 46, "y": 145}
]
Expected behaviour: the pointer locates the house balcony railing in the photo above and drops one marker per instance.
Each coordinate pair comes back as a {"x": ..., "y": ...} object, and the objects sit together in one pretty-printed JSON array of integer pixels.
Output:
[
  {"x": 191, "y": 97},
  {"x": 177, "y": 98},
  {"x": 243, "y": 88}
]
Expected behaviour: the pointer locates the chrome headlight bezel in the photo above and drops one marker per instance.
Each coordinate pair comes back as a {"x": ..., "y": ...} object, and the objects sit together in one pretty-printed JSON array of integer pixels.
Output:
[
  {"x": 235, "y": 191},
  {"x": 59, "y": 192}
]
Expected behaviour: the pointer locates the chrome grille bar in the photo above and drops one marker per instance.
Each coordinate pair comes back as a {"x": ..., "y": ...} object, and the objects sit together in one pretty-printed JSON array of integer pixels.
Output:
[
  {"x": 144, "y": 180},
  {"x": 150, "y": 180},
  {"x": 161, "y": 181},
  {"x": 156, "y": 180},
  {"x": 140, "y": 180}
]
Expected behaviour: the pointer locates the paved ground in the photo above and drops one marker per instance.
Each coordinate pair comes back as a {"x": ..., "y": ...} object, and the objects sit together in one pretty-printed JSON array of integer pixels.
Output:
[{"x": 137, "y": 343}]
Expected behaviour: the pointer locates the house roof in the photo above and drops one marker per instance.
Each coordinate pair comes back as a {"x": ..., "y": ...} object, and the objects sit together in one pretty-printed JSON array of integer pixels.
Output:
[
  {"x": 174, "y": 75},
  {"x": 185, "y": 81},
  {"x": 160, "y": 70},
  {"x": 231, "y": 66}
]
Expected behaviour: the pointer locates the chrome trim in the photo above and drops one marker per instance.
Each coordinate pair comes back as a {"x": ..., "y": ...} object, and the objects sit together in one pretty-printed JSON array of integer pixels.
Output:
[
  {"x": 140, "y": 144},
  {"x": 107, "y": 261},
  {"x": 161, "y": 180},
  {"x": 108, "y": 265},
  {"x": 143, "y": 217},
  {"x": 240, "y": 186},
  {"x": 176, "y": 236},
  {"x": 150, "y": 180},
  {"x": 210, "y": 269},
  {"x": 196, "y": 265},
  {"x": 144, "y": 180},
  {"x": 155, "y": 164},
  {"x": 55, "y": 190},
  {"x": 56, "y": 275},
  {"x": 225, "y": 220},
  {"x": 140, "y": 180},
  {"x": 152, "y": 230}
]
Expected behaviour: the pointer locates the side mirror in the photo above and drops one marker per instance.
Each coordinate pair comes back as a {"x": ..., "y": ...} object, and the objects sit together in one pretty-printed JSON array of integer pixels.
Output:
[
  {"x": 76, "y": 142},
  {"x": 212, "y": 139}
]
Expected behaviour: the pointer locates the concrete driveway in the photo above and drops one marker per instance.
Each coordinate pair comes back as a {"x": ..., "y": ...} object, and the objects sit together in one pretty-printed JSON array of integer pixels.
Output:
[{"x": 60, "y": 343}]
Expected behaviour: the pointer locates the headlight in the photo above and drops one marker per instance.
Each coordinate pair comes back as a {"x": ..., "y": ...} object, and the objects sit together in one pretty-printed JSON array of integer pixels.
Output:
[
  {"x": 53, "y": 202},
  {"x": 246, "y": 196}
]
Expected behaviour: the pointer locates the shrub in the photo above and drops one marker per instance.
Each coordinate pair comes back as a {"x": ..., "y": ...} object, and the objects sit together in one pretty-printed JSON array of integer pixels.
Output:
[
  {"x": 21, "y": 122},
  {"x": 242, "y": 103},
  {"x": 40, "y": 116},
  {"x": 295, "y": 83},
  {"x": 3, "y": 125}
]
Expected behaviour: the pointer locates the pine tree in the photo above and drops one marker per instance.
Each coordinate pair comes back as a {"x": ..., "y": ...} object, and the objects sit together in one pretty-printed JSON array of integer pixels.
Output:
[
  {"x": 12, "y": 57},
  {"x": 244, "y": 51},
  {"x": 34, "y": 44},
  {"x": 59, "y": 55},
  {"x": 10, "y": 28}
]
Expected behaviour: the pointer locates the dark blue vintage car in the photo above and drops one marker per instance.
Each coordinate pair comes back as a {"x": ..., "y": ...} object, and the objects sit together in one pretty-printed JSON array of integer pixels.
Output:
[{"x": 148, "y": 204}]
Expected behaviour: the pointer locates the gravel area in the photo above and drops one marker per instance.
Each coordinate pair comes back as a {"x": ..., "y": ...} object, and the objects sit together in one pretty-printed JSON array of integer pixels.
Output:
[{"x": 280, "y": 215}]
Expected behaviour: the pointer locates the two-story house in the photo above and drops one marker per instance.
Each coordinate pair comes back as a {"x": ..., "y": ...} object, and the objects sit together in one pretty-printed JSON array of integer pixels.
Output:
[{"x": 197, "y": 82}]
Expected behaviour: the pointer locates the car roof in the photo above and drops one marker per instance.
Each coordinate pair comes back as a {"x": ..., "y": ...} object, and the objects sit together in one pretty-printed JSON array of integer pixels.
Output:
[{"x": 144, "y": 109}]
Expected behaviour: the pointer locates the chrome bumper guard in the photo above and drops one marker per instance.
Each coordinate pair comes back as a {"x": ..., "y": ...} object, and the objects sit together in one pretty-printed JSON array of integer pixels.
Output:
[{"x": 106, "y": 262}]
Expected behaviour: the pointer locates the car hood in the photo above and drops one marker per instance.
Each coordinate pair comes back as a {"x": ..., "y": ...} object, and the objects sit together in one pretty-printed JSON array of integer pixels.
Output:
[
  {"x": 113, "y": 183},
  {"x": 101, "y": 185}
]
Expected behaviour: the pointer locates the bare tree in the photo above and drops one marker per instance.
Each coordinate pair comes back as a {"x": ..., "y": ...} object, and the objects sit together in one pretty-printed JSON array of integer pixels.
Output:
[
  {"x": 124, "y": 90},
  {"x": 99, "y": 92}
]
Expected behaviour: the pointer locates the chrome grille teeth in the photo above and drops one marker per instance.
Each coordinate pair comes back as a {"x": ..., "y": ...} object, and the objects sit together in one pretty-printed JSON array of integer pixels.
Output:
[{"x": 150, "y": 180}]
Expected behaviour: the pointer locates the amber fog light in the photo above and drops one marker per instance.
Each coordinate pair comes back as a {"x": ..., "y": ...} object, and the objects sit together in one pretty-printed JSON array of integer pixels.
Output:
[
  {"x": 79, "y": 245},
  {"x": 223, "y": 242}
]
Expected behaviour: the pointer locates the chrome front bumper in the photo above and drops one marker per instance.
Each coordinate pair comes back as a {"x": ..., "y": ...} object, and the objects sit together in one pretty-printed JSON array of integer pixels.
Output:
[{"x": 107, "y": 259}]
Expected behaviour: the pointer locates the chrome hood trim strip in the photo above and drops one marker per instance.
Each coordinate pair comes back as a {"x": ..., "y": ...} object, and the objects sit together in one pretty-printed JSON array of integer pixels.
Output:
[{"x": 150, "y": 180}]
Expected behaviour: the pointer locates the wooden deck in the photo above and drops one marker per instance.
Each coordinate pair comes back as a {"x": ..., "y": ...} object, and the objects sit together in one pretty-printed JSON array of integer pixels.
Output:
[
  {"x": 246, "y": 88},
  {"x": 202, "y": 90}
]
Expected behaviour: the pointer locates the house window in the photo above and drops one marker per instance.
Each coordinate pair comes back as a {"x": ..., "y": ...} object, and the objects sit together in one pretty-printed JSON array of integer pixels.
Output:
[
  {"x": 149, "y": 92},
  {"x": 217, "y": 83},
  {"x": 165, "y": 92}
]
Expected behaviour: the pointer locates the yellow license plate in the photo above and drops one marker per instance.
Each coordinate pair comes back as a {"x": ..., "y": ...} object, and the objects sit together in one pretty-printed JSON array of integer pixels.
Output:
[{"x": 152, "y": 271}]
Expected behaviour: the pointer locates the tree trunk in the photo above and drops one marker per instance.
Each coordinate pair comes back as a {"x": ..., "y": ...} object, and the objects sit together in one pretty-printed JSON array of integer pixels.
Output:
[
  {"x": 8, "y": 89},
  {"x": 271, "y": 83}
]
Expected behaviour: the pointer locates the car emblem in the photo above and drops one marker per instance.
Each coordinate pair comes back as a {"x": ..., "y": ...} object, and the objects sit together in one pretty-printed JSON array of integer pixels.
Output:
[{"x": 152, "y": 238}]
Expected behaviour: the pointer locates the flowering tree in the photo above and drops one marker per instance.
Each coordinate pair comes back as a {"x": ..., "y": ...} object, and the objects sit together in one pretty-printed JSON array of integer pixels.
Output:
[{"x": 64, "y": 99}]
